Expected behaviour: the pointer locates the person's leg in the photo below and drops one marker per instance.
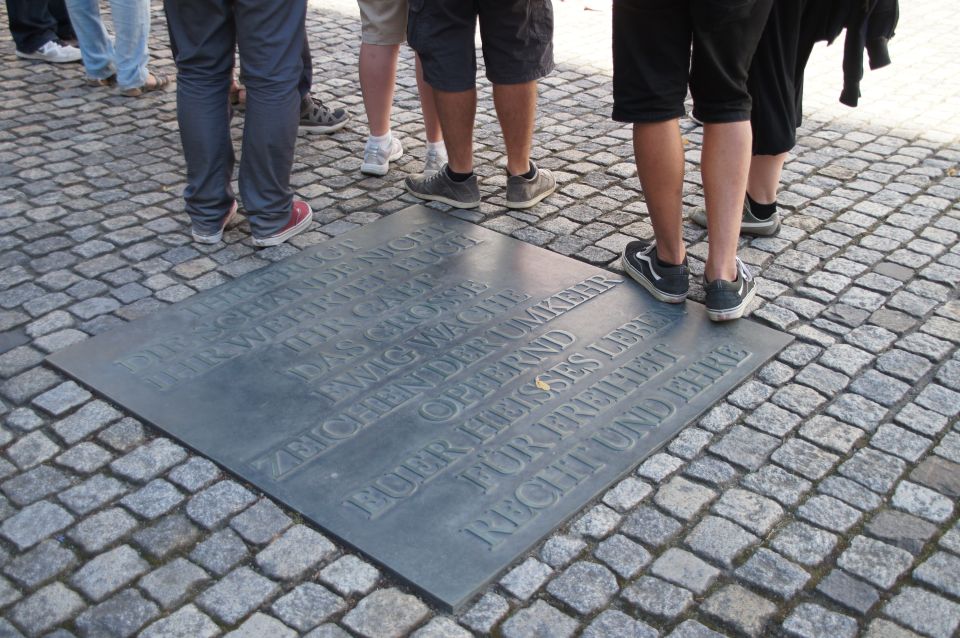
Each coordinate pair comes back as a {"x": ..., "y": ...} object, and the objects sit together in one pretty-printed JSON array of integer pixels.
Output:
[
  {"x": 456, "y": 111},
  {"x": 658, "y": 150},
  {"x": 315, "y": 116},
  {"x": 436, "y": 154},
  {"x": 517, "y": 42},
  {"x": 724, "y": 43},
  {"x": 442, "y": 35},
  {"x": 96, "y": 45},
  {"x": 202, "y": 33},
  {"x": 516, "y": 106},
  {"x": 270, "y": 36},
  {"x": 378, "y": 73},
  {"x": 763, "y": 181},
  {"x": 724, "y": 164},
  {"x": 720, "y": 64},
  {"x": 431, "y": 120},
  {"x": 58, "y": 9},
  {"x": 651, "y": 60},
  {"x": 131, "y": 23},
  {"x": 306, "y": 76},
  {"x": 31, "y": 24}
]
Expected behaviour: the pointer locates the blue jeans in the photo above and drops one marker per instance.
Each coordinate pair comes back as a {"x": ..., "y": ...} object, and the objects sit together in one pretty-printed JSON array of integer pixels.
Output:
[
  {"x": 272, "y": 42},
  {"x": 126, "y": 54}
]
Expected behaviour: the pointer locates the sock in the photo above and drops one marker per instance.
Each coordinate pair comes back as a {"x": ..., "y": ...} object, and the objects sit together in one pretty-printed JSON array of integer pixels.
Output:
[
  {"x": 530, "y": 174},
  {"x": 762, "y": 211},
  {"x": 436, "y": 147},
  {"x": 458, "y": 177},
  {"x": 383, "y": 141}
]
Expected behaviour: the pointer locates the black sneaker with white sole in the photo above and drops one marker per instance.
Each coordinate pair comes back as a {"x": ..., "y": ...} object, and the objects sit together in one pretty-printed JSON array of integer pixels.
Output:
[
  {"x": 666, "y": 283},
  {"x": 728, "y": 300}
]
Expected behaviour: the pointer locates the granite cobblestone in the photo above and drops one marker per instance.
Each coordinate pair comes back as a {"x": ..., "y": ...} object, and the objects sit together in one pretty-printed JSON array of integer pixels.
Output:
[{"x": 817, "y": 499}]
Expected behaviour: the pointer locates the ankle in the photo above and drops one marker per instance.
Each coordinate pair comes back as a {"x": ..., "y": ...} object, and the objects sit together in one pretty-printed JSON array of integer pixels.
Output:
[
  {"x": 382, "y": 141},
  {"x": 672, "y": 258},
  {"x": 726, "y": 273},
  {"x": 458, "y": 177},
  {"x": 761, "y": 211}
]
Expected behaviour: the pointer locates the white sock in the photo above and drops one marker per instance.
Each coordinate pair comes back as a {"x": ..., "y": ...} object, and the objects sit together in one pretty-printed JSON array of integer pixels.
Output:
[
  {"x": 383, "y": 141},
  {"x": 437, "y": 147}
]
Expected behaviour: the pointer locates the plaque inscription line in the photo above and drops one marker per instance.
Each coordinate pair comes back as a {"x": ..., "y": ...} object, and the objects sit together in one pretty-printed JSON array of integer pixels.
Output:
[{"x": 383, "y": 393}]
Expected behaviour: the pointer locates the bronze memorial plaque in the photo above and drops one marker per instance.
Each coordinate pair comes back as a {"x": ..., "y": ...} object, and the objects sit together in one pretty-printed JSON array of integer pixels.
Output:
[{"x": 432, "y": 393}]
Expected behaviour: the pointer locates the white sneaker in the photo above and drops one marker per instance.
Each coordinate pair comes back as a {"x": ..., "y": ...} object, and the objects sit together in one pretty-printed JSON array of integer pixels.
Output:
[
  {"x": 376, "y": 159},
  {"x": 435, "y": 159},
  {"x": 53, "y": 52}
]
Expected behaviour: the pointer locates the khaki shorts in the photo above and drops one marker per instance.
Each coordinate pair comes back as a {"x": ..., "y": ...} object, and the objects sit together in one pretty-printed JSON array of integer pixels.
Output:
[{"x": 383, "y": 21}]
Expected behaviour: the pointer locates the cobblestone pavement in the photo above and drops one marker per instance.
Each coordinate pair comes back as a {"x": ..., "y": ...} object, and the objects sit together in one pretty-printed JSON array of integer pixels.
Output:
[{"x": 818, "y": 499}]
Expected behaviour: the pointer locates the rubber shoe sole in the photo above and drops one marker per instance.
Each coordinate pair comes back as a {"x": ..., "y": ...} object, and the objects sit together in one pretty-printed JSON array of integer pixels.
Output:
[
  {"x": 218, "y": 236},
  {"x": 320, "y": 130},
  {"x": 745, "y": 296},
  {"x": 732, "y": 313},
  {"x": 749, "y": 225},
  {"x": 641, "y": 278},
  {"x": 533, "y": 201},
  {"x": 279, "y": 238},
  {"x": 637, "y": 276},
  {"x": 379, "y": 170},
  {"x": 445, "y": 200}
]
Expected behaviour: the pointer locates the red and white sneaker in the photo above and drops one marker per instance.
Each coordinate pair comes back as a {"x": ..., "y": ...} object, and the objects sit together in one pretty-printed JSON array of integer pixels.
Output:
[
  {"x": 217, "y": 236},
  {"x": 300, "y": 218}
]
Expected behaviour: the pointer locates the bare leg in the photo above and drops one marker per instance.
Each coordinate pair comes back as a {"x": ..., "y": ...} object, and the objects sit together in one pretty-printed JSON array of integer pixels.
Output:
[
  {"x": 764, "y": 178},
  {"x": 431, "y": 122},
  {"x": 456, "y": 112},
  {"x": 725, "y": 162},
  {"x": 378, "y": 74},
  {"x": 658, "y": 150},
  {"x": 516, "y": 106}
]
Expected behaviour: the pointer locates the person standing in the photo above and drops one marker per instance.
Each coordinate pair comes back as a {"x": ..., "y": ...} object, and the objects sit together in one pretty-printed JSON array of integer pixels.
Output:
[
  {"x": 659, "y": 49},
  {"x": 775, "y": 83},
  {"x": 383, "y": 30},
  {"x": 517, "y": 37},
  {"x": 41, "y": 30},
  {"x": 204, "y": 35},
  {"x": 123, "y": 59}
]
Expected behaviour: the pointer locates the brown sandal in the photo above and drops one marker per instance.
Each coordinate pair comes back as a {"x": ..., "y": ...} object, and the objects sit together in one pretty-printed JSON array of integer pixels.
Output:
[{"x": 155, "y": 82}]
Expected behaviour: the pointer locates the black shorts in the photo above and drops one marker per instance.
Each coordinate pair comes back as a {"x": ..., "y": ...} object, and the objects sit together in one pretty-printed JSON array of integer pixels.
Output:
[
  {"x": 516, "y": 35},
  {"x": 653, "y": 62},
  {"x": 776, "y": 79}
]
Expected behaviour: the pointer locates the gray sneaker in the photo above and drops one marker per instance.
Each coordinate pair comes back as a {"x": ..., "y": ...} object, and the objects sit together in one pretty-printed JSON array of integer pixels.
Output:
[
  {"x": 376, "y": 159},
  {"x": 749, "y": 225},
  {"x": 440, "y": 188},
  {"x": 316, "y": 117},
  {"x": 524, "y": 193}
]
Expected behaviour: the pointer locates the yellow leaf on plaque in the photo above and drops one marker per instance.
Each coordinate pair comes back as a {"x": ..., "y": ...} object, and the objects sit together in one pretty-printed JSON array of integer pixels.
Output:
[{"x": 543, "y": 385}]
